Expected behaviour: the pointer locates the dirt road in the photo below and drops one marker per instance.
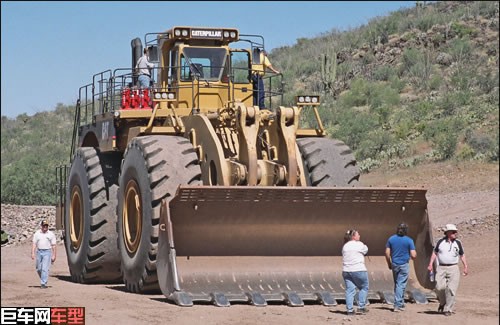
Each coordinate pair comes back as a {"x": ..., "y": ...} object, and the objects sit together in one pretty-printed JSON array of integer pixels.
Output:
[{"x": 473, "y": 208}]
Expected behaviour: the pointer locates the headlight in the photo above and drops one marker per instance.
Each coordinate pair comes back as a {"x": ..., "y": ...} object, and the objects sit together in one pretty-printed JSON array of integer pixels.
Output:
[
  {"x": 184, "y": 32},
  {"x": 117, "y": 114},
  {"x": 171, "y": 96},
  {"x": 301, "y": 99},
  {"x": 233, "y": 34},
  {"x": 157, "y": 95},
  {"x": 177, "y": 32},
  {"x": 308, "y": 99},
  {"x": 226, "y": 33},
  {"x": 315, "y": 99},
  {"x": 164, "y": 95}
]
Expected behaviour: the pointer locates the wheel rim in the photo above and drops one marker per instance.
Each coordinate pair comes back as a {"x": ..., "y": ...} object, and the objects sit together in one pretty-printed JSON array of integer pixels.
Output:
[
  {"x": 132, "y": 217},
  {"x": 76, "y": 218}
]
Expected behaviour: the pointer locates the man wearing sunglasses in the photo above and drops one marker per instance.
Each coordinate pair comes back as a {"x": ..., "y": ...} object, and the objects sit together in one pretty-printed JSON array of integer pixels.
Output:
[
  {"x": 44, "y": 246},
  {"x": 447, "y": 251}
]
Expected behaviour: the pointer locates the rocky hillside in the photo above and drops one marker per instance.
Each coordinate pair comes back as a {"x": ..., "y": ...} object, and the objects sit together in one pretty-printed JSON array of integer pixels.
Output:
[
  {"x": 481, "y": 32},
  {"x": 19, "y": 222},
  {"x": 417, "y": 86}
]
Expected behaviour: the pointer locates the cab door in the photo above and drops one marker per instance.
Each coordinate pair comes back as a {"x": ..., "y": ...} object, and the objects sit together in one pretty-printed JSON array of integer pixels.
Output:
[{"x": 240, "y": 76}]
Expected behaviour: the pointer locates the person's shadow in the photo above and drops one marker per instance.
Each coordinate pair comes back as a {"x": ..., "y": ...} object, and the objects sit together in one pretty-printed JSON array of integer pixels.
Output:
[
  {"x": 430, "y": 312},
  {"x": 38, "y": 286},
  {"x": 66, "y": 278}
]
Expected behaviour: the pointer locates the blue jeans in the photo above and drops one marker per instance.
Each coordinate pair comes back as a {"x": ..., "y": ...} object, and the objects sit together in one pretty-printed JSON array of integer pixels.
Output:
[
  {"x": 400, "y": 273},
  {"x": 144, "y": 81},
  {"x": 43, "y": 260},
  {"x": 353, "y": 281},
  {"x": 258, "y": 91}
]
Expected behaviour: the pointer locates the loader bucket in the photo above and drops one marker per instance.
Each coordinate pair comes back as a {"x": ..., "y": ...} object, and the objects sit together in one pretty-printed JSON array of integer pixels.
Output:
[{"x": 261, "y": 244}]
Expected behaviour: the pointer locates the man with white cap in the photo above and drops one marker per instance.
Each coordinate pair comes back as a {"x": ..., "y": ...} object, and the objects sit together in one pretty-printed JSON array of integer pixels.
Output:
[
  {"x": 44, "y": 246},
  {"x": 447, "y": 251}
]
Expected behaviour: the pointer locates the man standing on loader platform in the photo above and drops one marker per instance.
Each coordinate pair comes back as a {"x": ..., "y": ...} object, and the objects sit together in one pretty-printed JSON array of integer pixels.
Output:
[
  {"x": 144, "y": 67},
  {"x": 398, "y": 251},
  {"x": 258, "y": 71}
]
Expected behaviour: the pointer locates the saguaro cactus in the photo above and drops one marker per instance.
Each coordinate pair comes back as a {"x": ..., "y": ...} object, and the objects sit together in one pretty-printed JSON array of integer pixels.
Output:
[{"x": 329, "y": 69}]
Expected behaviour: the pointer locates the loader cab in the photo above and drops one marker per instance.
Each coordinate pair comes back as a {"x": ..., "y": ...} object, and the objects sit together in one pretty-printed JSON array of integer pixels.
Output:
[{"x": 203, "y": 70}]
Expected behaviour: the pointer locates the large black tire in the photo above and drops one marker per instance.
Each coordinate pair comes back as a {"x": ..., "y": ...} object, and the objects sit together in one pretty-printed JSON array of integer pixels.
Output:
[
  {"x": 90, "y": 218},
  {"x": 328, "y": 162},
  {"x": 152, "y": 169}
]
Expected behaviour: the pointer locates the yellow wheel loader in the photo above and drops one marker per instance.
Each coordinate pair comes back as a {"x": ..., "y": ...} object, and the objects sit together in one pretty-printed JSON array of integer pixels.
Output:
[{"x": 187, "y": 186}]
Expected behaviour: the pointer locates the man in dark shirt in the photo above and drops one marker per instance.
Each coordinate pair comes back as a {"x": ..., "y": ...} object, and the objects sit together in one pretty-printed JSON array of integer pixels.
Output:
[{"x": 398, "y": 251}]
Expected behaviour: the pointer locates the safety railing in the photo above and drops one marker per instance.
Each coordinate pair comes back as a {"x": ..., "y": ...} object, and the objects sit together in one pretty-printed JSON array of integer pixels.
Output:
[
  {"x": 106, "y": 92},
  {"x": 61, "y": 177}
]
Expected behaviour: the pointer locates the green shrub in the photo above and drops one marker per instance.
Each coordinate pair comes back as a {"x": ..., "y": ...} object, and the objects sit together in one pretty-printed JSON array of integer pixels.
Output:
[
  {"x": 463, "y": 30},
  {"x": 352, "y": 126},
  {"x": 445, "y": 144},
  {"x": 450, "y": 103},
  {"x": 435, "y": 82},
  {"x": 443, "y": 135},
  {"x": 403, "y": 128},
  {"x": 460, "y": 49},
  {"x": 466, "y": 153},
  {"x": 421, "y": 110},
  {"x": 397, "y": 83},
  {"x": 357, "y": 94},
  {"x": 381, "y": 94},
  {"x": 437, "y": 39},
  {"x": 376, "y": 142},
  {"x": 487, "y": 9},
  {"x": 480, "y": 143},
  {"x": 384, "y": 73},
  {"x": 463, "y": 79},
  {"x": 368, "y": 165},
  {"x": 412, "y": 161},
  {"x": 410, "y": 58},
  {"x": 487, "y": 82}
]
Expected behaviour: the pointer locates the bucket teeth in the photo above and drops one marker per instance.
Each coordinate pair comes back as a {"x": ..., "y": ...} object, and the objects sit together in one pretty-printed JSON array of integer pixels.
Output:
[
  {"x": 293, "y": 299},
  {"x": 388, "y": 297},
  {"x": 326, "y": 299},
  {"x": 220, "y": 300},
  {"x": 256, "y": 299},
  {"x": 182, "y": 299},
  {"x": 418, "y": 296}
]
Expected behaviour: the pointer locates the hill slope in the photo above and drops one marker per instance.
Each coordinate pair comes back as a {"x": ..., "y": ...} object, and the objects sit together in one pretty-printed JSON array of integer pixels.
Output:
[{"x": 415, "y": 87}]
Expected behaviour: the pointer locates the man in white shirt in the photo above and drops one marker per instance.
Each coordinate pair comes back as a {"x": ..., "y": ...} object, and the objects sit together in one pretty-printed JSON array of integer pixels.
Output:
[
  {"x": 144, "y": 67},
  {"x": 44, "y": 245},
  {"x": 448, "y": 251}
]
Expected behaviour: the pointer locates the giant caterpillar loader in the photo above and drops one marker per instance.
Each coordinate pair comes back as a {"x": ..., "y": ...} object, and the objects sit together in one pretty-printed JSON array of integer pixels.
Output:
[{"x": 187, "y": 187}]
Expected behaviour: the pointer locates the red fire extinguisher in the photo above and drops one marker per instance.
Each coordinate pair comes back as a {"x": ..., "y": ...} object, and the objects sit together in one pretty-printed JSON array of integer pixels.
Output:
[
  {"x": 135, "y": 98},
  {"x": 145, "y": 98},
  {"x": 125, "y": 98}
]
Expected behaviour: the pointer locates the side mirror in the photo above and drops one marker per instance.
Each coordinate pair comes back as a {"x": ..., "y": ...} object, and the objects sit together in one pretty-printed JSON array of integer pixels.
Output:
[{"x": 153, "y": 53}]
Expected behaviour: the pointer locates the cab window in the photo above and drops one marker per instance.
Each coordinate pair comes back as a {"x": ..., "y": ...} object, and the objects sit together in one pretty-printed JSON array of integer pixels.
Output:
[
  {"x": 240, "y": 67},
  {"x": 204, "y": 63}
]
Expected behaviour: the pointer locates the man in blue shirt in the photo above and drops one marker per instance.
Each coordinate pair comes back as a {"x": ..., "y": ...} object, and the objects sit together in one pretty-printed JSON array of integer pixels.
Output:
[{"x": 398, "y": 251}]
